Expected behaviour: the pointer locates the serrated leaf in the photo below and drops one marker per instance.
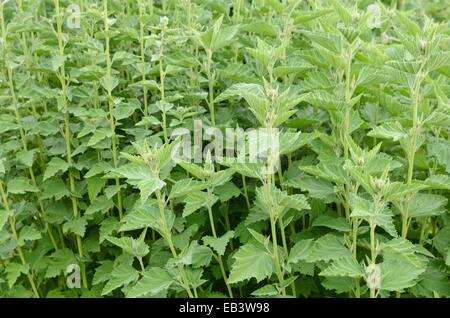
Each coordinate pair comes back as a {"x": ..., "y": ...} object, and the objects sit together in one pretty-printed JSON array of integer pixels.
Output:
[
  {"x": 328, "y": 247},
  {"x": 28, "y": 233},
  {"x": 219, "y": 244},
  {"x": 122, "y": 274},
  {"x": 21, "y": 185},
  {"x": 196, "y": 255},
  {"x": 427, "y": 204},
  {"x": 251, "y": 261},
  {"x": 4, "y": 215},
  {"x": 345, "y": 267},
  {"x": 140, "y": 218},
  {"x": 59, "y": 261},
  {"x": 335, "y": 223},
  {"x": 131, "y": 246},
  {"x": 197, "y": 200},
  {"x": 266, "y": 291},
  {"x": 77, "y": 226},
  {"x": 186, "y": 186},
  {"x": 100, "y": 204},
  {"x": 227, "y": 191},
  {"x": 55, "y": 166},
  {"x": 398, "y": 275},
  {"x": 300, "y": 251},
  {"x": 56, "y": 189},
  {"x": 103, "y": 272},
  {"x": 391, "y": 130},
  {"x": 154, "y": 281},
  {"x": 13, "y": 271}
]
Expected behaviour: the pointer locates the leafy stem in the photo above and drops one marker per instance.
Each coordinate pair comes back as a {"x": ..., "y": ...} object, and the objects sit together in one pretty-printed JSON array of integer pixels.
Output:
[
  {"x": 15, "y": 237},
  {"x": 168, "y": 238},
  {"x": 111, "y": 106},
  {"x": 213, "y": 229},
  {"x": 67, "y": 134}
]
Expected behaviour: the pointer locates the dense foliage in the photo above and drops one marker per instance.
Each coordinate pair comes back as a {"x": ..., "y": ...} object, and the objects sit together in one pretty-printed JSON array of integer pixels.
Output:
[{"x": 358, "y": 206}]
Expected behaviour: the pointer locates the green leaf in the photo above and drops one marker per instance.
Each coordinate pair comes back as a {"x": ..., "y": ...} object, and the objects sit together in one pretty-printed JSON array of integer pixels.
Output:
[
  {"x": 4, "y": 215},
  {"x": 13, "y": 271},
  {"x": 364, "y": 209},
  {"x": 398, "y": 275},
  {"x": 21, "y": 185},
  {"x": 130, "y": 245},
  {"x": 26, "y": 157},
  {"x": 94, "y": 186},
  {"x": 77, "y": 226},
  {"x": 331, "y": 170},
  {"x": 438, "y": 181},
  {"x": 304, "y": 17},
  {"x": 98, "y": 168},
  {"x": 440, "y": 148},
  {"x": 59, "y": 261},
  {"x": 99, "y": 135},
  {"x": 259, "y": 27},
  {"x": 28, "y": 233},
  {"x": 227, "y": 191},
  {"x": 219, "y": 244},
  {"x": 342, "y": 11},
  {"x": 432, "y": 281},
  {"x": 109, "y": 84},
  {"x": 107, "y": 227},
  {"x": 441, "y": 240},
  {"x": 154, "y": 281},
  {"x": 400, "y": 249},
  {"x": 186, "y": 186},
  {"x": 251, "y": 261},
  {"x": 55, "y": 188},
  {"x": 290, "y": 142},
  {"x": 2, "y": 166},
  {"x": 54, "y": 166},
  {"x": 427, "y": 204},
  {"x": 196, "y": 255},
  {"x": 397, "y": 190},
  {"x": 197, "y": 200},
  {"x": 193, "y": 169},
  {"x": 266, "y": 291},
  {"x": 346, "y": 267},
  {"x": 103, "y": 272},
  {"x": 339, "y": 284},
  {"x": 140, "y": 218},
  {"x": 300, "y": 251},
  {"x": 335, "y": 223},
  {"x": 100, "y": 204},
  {"x": 251, "y": 170},
  {"x": 317, "y": 188},
  {"x": 391, "y": 130},
  {"x": 328, "y": 247},
  {"x": 122, "y": 274},
  {"x": 148, "y": 187}
]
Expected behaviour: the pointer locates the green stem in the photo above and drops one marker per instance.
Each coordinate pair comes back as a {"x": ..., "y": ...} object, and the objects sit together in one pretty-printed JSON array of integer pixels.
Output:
[
  {"x": 244, "y": 185},
  {"x": 168, "y": 237},
  {"x": 412, "y": 149},
  {"x": 15, "y": 237},
  {"x": 62, "y": 78},
  {"x": 219, "y": 258},
  {"x": 110, "y": 106},
  {"x": 142, "y": 46},
  {"x": 210, "y": 86}
]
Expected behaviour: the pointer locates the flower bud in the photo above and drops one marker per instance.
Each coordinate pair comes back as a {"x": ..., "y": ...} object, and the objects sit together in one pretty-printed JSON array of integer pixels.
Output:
[{"x": 373, "y": 276}]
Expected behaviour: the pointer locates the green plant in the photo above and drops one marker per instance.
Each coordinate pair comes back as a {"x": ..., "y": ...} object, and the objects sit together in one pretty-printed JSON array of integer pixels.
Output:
[{"x": 348, "y": 197}]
